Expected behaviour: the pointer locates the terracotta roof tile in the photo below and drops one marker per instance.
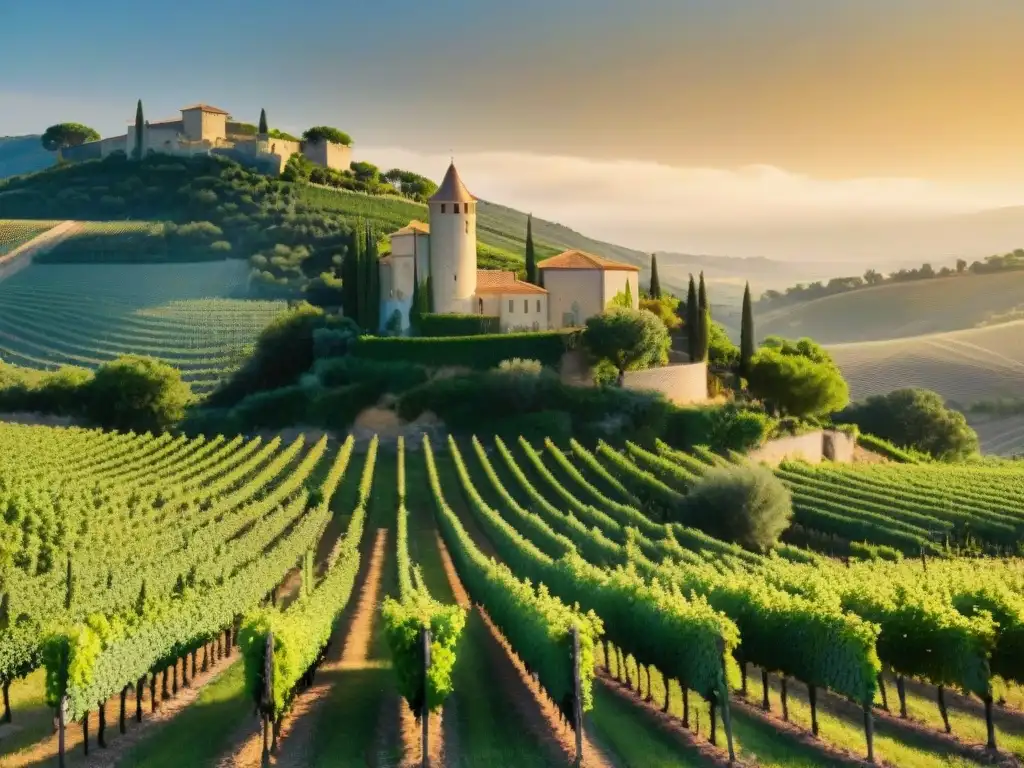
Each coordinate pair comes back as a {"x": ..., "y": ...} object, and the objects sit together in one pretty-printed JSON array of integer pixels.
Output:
[
  {"x": 452, "y": 190},
  {"x": 412, "y": 226},
  {"x": 205, "y": 108},
  {"x": 581, "y": 260},
  {"x": 490, "y": 281}
]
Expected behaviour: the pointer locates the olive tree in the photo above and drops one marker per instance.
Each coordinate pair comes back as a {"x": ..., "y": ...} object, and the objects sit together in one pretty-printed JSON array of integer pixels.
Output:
[{"x": 630, "y": 339}]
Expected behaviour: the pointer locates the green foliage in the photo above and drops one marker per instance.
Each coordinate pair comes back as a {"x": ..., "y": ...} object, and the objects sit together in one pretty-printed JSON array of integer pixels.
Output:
[
  {"x": 692, "y": 325},
  {"x": 284, "y": 351},
  {"x": 532, "y": 275},
  {"x": 915, "y": 418},
  {"x": 888, "y": 450},
  {"x": 263, "y": 122},
  {"x": 655, "y": 289},
  {"x": 410, "y": 184},
  {"x": 536, "y": 624},
  {"x": 666, "y": 308},
  {"x": 623, "y": 299},
  {"x": 415, "y": 609},
  {"x": 722, "y": 427},
  {"x": 795, "y": 384},
  {"x": 138, "y": 394},
  {"x": 747, "y": 341},
  {"x": 301, "y": 631},
  {"x": 632, "y": 339},
  {"x": 478, "y": 352},
  {"x": 448, "y": 325},
  {"x": 746, "y": 505},
  {"x": 801, "y": 348},
  {"x": 138, "y": 151},
  {"x": 64, "y": 135},
  {"x": 326, "y": 133}
]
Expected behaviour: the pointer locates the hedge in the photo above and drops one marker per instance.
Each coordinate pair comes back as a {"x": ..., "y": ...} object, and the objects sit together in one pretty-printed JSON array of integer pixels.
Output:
[
  {"x": 480, "y": 352},
  {"x": 435, "y": 325}
]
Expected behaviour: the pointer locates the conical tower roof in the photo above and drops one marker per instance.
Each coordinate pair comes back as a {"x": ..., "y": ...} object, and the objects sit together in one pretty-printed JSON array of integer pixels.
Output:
[{"x": 452, "y": 190}]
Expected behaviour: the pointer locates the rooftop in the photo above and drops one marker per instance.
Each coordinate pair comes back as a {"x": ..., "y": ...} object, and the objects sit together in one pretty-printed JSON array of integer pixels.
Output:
[
  {"x": 204, "y": 108},
  {"x": 452, "y": 190},
  {"x": 500, "y": 282},
  {"x": 581, "y": 260},
  {"x": 414, "y": 226}
]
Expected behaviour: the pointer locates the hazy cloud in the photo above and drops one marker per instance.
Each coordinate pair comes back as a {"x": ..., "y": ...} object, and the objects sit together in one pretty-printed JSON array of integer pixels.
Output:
[{"x": 653, "y": 206}]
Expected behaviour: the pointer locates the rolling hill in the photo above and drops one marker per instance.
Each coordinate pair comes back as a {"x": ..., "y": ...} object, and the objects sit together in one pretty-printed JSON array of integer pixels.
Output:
[
  {"x": 901, "y": 310},
  {"x": 23, "y": 154}
]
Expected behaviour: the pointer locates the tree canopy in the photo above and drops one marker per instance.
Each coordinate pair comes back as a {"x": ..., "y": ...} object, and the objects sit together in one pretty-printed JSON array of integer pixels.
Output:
[
  {"x": 631, "y": 339},
  {"x": 742, "y": 503},
  {"x": 796, "y": 385},
  {"x": 410, "y": 184},
  {"x": 138, "y": 393},
  {"x": 63, "y": 135},
  {"x": 914, "y": 418},
  {"x": 327, "y": 133}
]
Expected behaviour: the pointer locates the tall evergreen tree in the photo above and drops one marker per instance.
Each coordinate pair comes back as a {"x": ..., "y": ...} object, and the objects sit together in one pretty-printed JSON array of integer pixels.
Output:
[
  {"x": 692, "y": 320},
  {"x": 655, "y": 282},
  {"x": 140, "y": 132},
  {"x": 531, "y": 256},
  {"x": 703, "y": 320},
  {"x": 629, "y": 295},
  {"x": 362, "y": 276},
  {"x": 372, "y": 293},
  {"x": 263, "y": 122},
  {"x": 746, "y": 333},
  {"x": 350, "y": 276}
]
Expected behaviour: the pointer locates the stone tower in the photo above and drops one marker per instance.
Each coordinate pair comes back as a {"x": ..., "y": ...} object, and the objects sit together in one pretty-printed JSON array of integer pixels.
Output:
[{"x": 453, "y": 245}]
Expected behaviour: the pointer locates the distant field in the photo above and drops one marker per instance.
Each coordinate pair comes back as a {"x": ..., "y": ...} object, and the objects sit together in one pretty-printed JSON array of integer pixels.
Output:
[
  {"x": 965, "y": 366},
  {"x": 14, "y": 233},
  {"x": 905, "y": 309},
  {"x": 190, "y": 315},
  {"x": 999, "y": 435}
]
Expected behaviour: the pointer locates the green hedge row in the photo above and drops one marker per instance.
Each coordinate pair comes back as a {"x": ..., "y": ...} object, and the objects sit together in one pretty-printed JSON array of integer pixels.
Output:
[
  {"x": 436, "y": 325},
  {"x": 480, "y": 352}
]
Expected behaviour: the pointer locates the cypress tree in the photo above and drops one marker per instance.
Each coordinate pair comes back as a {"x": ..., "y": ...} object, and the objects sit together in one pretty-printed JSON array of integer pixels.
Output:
[
  {"x": 655, "y": 282},
  {"x": 746, "y": 333},
  {"x": 692, "y": 320},
  {"x": 372, "y": 282},
  {"x": 350, "y": 276},
  {"x": 531, "y": 256},
  {"x": 263, "y": 122},
  {"x": 139, "y": 131},
  {"x": 359, "y": 293},
  {"x": 629, "y": 295},
  {"x": 703, "y": 320}
]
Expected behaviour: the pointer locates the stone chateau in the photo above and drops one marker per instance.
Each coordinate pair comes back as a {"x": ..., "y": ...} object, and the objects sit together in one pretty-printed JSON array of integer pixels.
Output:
[
  {"x": 203, "y": 129},
  {"x": 576, "y": 285}
]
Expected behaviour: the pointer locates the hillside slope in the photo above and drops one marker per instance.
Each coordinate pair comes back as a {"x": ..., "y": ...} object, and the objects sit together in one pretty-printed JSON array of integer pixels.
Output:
[
  {"x": 900, "y": 310},
  {"x": 963, "y": 366},
  {"x": 23, "y": 154}
]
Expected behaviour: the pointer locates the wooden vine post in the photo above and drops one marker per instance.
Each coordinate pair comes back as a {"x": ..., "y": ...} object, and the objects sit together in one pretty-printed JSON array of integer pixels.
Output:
[
  {"x": 577, "y": 695},
  {"x": 62, "y": 719},
  {"x": 267, "y": 698},
  {"x": 869, "y": 731},
  {"x": 425, "y": 710},
  {"x": 726, "y": 713}
]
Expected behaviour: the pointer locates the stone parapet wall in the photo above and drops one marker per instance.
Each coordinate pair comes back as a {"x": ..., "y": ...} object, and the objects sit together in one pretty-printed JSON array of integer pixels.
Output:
[
  {"x": 683, "y": 384},
  {"x": 813, "y": 447}
]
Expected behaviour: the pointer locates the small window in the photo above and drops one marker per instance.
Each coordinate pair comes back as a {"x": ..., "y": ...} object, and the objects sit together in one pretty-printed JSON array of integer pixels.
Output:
[
  {"x": 538, "y": 305},
  {"x": 467, "y": 227},
  {"x": 455, "y": 278},
  {"x": 526, "y": 306},
  {"x": 510, "y": 307},
  {"x": 455, "y": 207},
  {"x": 442, "y": 207}
]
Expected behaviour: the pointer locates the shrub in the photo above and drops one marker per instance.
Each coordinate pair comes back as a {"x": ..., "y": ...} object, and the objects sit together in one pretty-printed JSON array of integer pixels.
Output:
[
  {"x": 284, "y": 351},
  {"x": 274, "y": 409},
  {"x": 632, "y": 339},
  {"x": 478, "y": 352},
  {"x": 720, "y": 427},
  {"x": 917, "y": 419},
  {"x": 520, "y": 366},
  {"x": 742, "y": 503},
  {"x": 137, "y": 393},
  {"x": 796, "y": 385},
  {"x": 458, "y": 325},
  {"x": 394, "y": 377}
]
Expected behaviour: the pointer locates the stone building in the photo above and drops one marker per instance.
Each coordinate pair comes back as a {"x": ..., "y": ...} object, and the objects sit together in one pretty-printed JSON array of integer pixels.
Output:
[
  {"x": 576, "y": 285},
  {"x": 205, "y": 129}
]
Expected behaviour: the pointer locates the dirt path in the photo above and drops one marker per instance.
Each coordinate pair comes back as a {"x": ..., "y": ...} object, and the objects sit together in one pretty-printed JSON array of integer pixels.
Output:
[
  {"x": 45, "y": 751},
  {"x": 22, "y": 255},
  {"x": 534, "y": 706},
  {"x": 297, "y": 730}
]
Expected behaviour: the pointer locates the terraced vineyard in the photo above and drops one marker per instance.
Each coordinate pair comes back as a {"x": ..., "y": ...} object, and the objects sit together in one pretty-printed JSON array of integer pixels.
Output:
[
  {"x": 186, "y": 315},
  {"x": 15, "y": 233},
  {"x": 520, "y": 552}
]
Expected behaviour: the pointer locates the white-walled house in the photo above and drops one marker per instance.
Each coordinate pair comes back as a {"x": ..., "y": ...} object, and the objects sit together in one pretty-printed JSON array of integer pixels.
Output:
[{"x": 576, "y": 285}]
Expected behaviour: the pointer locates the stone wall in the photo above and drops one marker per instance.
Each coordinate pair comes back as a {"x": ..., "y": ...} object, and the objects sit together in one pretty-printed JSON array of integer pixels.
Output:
[
  {"x": 682, "y": 384},
  {"x": 813, "y": 447}
]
